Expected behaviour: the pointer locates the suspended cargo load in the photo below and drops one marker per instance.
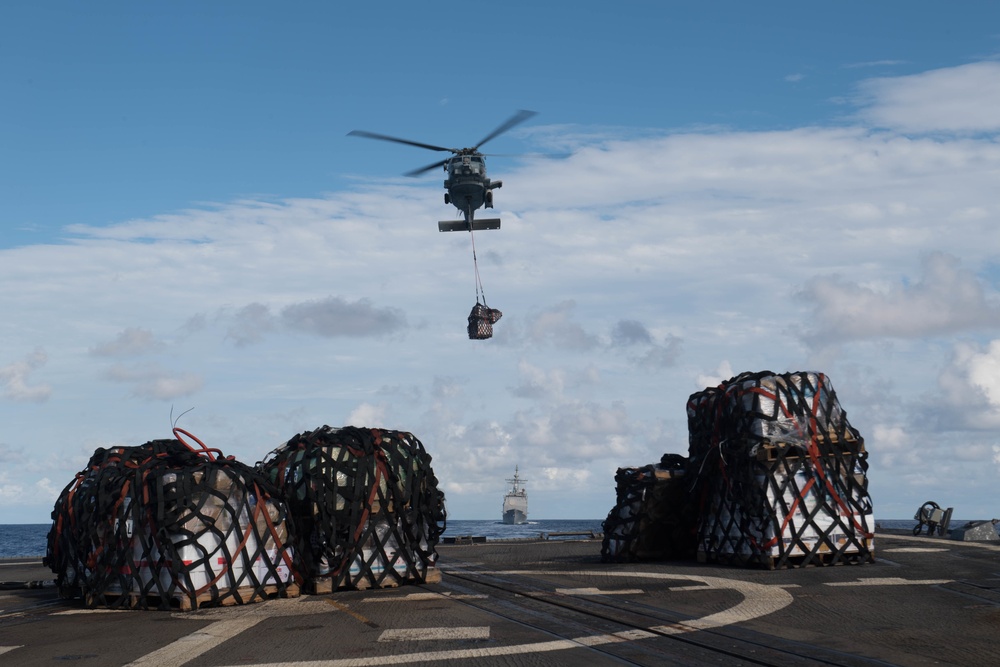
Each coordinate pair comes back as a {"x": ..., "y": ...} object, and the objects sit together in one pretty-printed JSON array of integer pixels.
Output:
[
  {"x": 481, "y": 321},
  {"x": 165, "y": 525},
  {"x": 366, "y": 506},
  {"x": 650, "y": 520},
  {"x": 781, "y": 474}
]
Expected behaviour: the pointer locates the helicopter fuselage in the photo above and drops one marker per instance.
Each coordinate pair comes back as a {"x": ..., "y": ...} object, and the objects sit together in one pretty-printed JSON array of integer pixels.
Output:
[{"x": 468, "y": 186}]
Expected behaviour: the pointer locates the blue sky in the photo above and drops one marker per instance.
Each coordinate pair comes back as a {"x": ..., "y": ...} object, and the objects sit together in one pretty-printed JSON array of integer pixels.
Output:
[{"x": 186, "y": 224}]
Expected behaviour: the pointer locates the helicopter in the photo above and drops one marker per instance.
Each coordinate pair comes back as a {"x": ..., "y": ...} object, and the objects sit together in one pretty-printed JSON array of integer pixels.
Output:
[{"x": 468, "y": 187}]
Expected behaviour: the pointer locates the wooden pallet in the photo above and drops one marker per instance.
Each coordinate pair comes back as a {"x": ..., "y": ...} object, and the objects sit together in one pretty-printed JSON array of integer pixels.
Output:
[
  {"x": 771, "y": 451},
  {"x": 324, "y": 585},
  {"x": 771, "y": 562},
  {"x": 183, "y": 602}
]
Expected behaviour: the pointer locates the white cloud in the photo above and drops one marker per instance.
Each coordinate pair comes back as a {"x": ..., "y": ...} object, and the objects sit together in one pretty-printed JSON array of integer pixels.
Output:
[
  {"x": 368, "y": 415},
  {"x": 130, "y": 342},
  {"x": 334, "y": 316},
  {"x": 944, "y": 300},
  {"x": 957, "y": 99},
  {"x": 250, "y": 323},
  {"x": 152, "y": 382},
  {"x": 535, "y": 382},
  {"x": 631, "y": 274},
  {"x": 969, "y": 395},
  {"x": 14, "y": 378},
  {"x": 722, "y": 373}
]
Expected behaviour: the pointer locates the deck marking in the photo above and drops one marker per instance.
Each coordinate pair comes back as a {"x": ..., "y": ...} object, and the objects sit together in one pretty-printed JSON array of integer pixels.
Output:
[
  {"x": 195, "y": 644},
  {"x": 432, "y": 656},
  {"x": 890, "y": 581},
  {"x": 423, "y": 634},
  {"x": 71, "y": 612},
  {"x": 598, "y": 591},
  {"x": 915, "y": 550},
  {"x": 417, "y": 597},
  {"x": 758, "y": 599},
  {"x": 8, "y": 649},
  {"x": 347, "y": 610}
]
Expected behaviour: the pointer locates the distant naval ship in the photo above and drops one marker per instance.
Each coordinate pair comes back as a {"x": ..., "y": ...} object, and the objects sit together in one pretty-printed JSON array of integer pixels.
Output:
[{"x": 515, "y": 503}]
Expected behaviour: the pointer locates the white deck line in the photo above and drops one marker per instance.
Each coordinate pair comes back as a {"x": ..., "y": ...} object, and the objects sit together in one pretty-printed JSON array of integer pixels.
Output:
[
  {"x": 431, "y": 634},
  {"x": 195, "y": 644}
]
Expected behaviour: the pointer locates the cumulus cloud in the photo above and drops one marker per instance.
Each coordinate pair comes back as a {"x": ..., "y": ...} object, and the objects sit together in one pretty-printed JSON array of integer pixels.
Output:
[
  {"x": 250, "y": 323},
  {"x": 14, "y": 378},
  {"x": 630, "y": 332},
  {"x": 714, "y": 379},
  {"x": 660, "y": 355},
  {"x": 15, "y": 493},
  {"x": 535, "y": 382},
  {"x": 957, "y": 99},
  {"x": 334, "y": 316},
  {"x": 633, "y": 245},
  {"x": 152, "y": 382},
  {"x": 368, "y": 415},
  {"x": 969, "y": 388},
  {"x": 578, "y": 431},
  {"x": 8, "y": 454},
  {"x": 633, "y": 335},
  {"x": 946, "y": 299},
  {"x": 130, "y": 342},
  {"x": 329, "y": 317},
  {"x": 556, "y": 326}
]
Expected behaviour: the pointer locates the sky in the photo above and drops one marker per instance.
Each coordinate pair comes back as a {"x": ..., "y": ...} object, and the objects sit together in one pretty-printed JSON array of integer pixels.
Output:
[{"x": 187, "y": 232}]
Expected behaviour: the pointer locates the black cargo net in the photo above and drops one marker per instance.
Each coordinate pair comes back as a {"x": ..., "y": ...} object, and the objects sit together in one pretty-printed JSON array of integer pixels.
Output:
[
  {"x": 481, "y": 321},
  {"x": 777, "y": 473},
  {"x": 650, "y": 519},
  {"x": 366, "y": 504},
  {"x": 165, "y": 525}
]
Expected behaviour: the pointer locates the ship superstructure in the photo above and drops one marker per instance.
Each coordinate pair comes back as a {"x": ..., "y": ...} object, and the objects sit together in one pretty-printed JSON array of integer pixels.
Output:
[{"x": 515, "y": 502}]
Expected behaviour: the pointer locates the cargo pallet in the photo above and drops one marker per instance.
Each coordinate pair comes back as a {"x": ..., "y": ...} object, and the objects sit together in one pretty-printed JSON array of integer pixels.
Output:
[
  {"x": 769, "y": 452},
  {"x": 324, "y": 585},
  {"x": 823, "y": 558},
  {"x": 183, "y": 602}
]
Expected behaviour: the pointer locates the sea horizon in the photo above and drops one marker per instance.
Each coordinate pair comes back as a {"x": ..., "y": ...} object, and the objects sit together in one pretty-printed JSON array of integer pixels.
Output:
[{"x": 29, "y": 540}]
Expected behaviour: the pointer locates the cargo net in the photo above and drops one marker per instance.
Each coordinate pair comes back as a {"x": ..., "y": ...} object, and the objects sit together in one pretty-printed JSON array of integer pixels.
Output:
[
  {"x": 481, "y": 321},
  {"x": 777, "y": 473},
  {"x": 649, "y": 520},
  {"x": 366, "y": 506},
  {"x": 165, "y": 525}
]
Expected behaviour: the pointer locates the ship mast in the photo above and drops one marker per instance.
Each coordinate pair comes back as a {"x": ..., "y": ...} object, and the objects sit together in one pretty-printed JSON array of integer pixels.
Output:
[{"x": 515, "y": 483}]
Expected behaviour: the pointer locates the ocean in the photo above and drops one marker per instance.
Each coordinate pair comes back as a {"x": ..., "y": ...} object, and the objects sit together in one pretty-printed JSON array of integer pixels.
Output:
[
  {"x": 28, "y": 540},
  {"x": 19, "y": 540},
  {"x": 23, "y": 539}
]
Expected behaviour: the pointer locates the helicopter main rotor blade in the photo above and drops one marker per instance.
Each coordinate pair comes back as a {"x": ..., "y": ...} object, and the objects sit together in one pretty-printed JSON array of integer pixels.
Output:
[
  {"x": 516, "y": 119},
  {"x": 385, "y": 137},
  {"x": 424, "y": 170}
]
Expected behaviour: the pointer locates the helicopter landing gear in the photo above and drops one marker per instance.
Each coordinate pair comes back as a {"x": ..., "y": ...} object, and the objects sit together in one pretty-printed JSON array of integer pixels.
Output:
[
  {"x": 447, "y": 198},
  {"x": 488, "y": 199}
]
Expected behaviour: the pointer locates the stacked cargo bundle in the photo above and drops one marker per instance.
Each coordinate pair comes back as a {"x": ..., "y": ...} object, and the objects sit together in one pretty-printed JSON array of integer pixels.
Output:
[
  {"x": 165, "y": 525},
  {"x": 781, "y": 474},
  {"x": 481, "y": 321},
  {"x": 649, "y": 521},
  {"x": 366, "y": 506}
]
